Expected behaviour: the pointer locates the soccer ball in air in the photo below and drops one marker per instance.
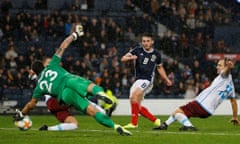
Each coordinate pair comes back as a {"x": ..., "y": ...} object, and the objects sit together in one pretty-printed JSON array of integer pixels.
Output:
[{"x": 24, "y": 124}]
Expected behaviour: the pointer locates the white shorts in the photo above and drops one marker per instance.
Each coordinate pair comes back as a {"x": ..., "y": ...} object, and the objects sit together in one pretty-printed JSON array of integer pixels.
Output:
[{"x": 145, "y": 85}]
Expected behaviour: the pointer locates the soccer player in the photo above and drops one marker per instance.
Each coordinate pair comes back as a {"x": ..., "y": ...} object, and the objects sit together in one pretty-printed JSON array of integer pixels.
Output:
[
  {"x": 61, "y": 112},
  {"x": 63, "y": 115},
  {"x": 68, "y": 88},
  {"x": 145, "y": 59},
  {"x": 205, "y": 104}
]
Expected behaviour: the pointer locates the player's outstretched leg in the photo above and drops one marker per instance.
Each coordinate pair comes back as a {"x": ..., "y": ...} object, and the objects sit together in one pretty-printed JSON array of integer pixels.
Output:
[
  {"x": 59, "y": 127},
  {"x": 100, "y": 94},
  {"x": 106, "y": 121}
]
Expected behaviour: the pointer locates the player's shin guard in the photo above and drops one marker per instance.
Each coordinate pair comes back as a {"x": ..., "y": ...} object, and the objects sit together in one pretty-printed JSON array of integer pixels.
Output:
[
  {"x": 103, "y": 119},
  {"x": 183, "y": 119},
  {"x": 170, "y": 120}
]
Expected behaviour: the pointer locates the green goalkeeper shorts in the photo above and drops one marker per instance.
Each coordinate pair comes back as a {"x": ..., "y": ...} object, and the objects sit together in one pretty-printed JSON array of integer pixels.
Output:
[
  {"x": 79, "y": 84},
  {"x": 71, "y": 97}
]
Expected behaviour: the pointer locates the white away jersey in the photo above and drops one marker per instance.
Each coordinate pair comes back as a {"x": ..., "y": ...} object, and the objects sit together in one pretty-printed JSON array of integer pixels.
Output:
[{"x": 220, "y": 89}]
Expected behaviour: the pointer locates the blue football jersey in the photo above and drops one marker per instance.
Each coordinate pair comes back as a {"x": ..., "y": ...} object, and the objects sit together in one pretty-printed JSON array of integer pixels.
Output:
[{"x": 146, "y": 63}]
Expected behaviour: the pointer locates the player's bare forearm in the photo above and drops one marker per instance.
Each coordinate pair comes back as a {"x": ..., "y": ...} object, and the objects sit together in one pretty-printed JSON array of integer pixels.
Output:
[
  {"x": 67, "y": 41},
  {"x": 234, "y": 119},
  {"x": 228, "y": 67},
  {"x": 29, "y": 106},
  {"x": 163, "y": 75},
  {"x": 234, "y": 107}
]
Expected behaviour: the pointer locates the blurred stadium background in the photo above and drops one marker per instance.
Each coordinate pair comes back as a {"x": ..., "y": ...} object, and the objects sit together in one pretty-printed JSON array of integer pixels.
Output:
[{"x": 191, "y": 35}]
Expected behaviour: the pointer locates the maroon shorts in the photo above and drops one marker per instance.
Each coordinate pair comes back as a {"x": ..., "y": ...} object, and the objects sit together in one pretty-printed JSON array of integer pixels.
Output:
[
  {"x": 61, "y": 112},
  {"x": 193, "y": 109}
]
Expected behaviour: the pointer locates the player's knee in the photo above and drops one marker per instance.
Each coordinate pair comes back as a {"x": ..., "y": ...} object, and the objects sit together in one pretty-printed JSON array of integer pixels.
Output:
[
  {"x": 178, "y": 110},
  {"x": 135, "y": 99},
  {"x": 91, "y": 110},
  {"x": 71, "y": 119}
]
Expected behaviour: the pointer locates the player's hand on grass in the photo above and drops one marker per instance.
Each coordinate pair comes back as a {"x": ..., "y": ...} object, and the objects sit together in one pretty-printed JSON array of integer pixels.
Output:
[
  {"x": 78, "y": 32},
  {"x": 18, "y": 115},
  {"x": 235, "y": 121}
]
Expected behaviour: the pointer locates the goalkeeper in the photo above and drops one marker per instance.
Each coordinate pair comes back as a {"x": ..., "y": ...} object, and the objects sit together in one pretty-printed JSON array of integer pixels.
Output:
[
  {"x": 62, "y": 112},
  {"x": 68, "y": 88}
]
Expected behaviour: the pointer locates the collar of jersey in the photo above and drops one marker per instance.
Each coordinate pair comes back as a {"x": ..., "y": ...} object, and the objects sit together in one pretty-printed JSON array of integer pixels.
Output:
[{"x": 148, "y": 51}]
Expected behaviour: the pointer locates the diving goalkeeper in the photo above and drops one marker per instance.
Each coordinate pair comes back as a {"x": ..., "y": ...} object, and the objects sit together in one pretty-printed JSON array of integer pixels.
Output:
[
  {"x": 68, "y": 88},
  {"x": 62, "y": 112}
]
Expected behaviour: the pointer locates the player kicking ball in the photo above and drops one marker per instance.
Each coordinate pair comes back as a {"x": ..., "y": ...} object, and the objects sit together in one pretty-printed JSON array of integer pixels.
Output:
[
  {"x": 205, "y": 104},
  {"x": 68, "y": 88},
  {"x": 147, "y": 60}
]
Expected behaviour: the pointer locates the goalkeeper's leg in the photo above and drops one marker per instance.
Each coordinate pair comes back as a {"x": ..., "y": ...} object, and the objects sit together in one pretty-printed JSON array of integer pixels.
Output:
[
  {"x": 106, "y": 121},
  {"x": 71, "y": 97},
  {"x": 99, "y": 93},
  {"x": 97, "y": 107}
]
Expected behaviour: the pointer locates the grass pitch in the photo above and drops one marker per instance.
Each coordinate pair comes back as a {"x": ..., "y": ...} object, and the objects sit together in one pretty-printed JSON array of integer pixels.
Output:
[{"x": 216, "y": 129}]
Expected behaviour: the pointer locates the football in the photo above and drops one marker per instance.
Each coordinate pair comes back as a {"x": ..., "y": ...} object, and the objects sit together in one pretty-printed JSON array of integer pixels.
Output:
[{"x": 24, "y": 124}]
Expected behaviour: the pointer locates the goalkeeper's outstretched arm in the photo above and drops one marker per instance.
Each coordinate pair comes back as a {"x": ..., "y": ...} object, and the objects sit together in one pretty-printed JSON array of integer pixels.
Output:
[
  {"x": 29, "y": 106},
  {"x": 67, "y": 41}
]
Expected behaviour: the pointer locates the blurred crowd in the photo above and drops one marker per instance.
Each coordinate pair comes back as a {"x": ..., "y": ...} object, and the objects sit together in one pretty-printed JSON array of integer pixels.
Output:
[{"x": 29, "y": 35}]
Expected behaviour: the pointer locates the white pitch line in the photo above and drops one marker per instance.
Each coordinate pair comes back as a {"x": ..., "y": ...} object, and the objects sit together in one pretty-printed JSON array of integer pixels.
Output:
[
  {"x": 10, "y": 129},
  {"x": 166, "y": 132},
  {"x": 148, "y": 132},
  {"x": 194, "y": 133}
]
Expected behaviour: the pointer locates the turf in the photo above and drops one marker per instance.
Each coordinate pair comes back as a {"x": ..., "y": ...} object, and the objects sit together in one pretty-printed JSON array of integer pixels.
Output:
[{"x": 216, "y": 129}]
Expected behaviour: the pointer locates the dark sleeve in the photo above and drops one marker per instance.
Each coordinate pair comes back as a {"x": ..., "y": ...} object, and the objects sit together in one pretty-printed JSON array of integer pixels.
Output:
[
  {"x": 159, "y": 58},
  {"x": 134, "y": 51}
]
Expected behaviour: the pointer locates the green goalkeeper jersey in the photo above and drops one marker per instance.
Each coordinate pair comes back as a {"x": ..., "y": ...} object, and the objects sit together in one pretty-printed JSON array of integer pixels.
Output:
[{"x": 52, "y": 79}]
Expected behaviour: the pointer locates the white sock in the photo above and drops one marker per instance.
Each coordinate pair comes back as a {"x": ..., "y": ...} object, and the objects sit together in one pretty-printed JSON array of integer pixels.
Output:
[
  {"x": 170, "y": 120},
  {"x": 63, "y": 126},
  {"x": 183, "y": 119},
  {"x": 98, "y": 107}
]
